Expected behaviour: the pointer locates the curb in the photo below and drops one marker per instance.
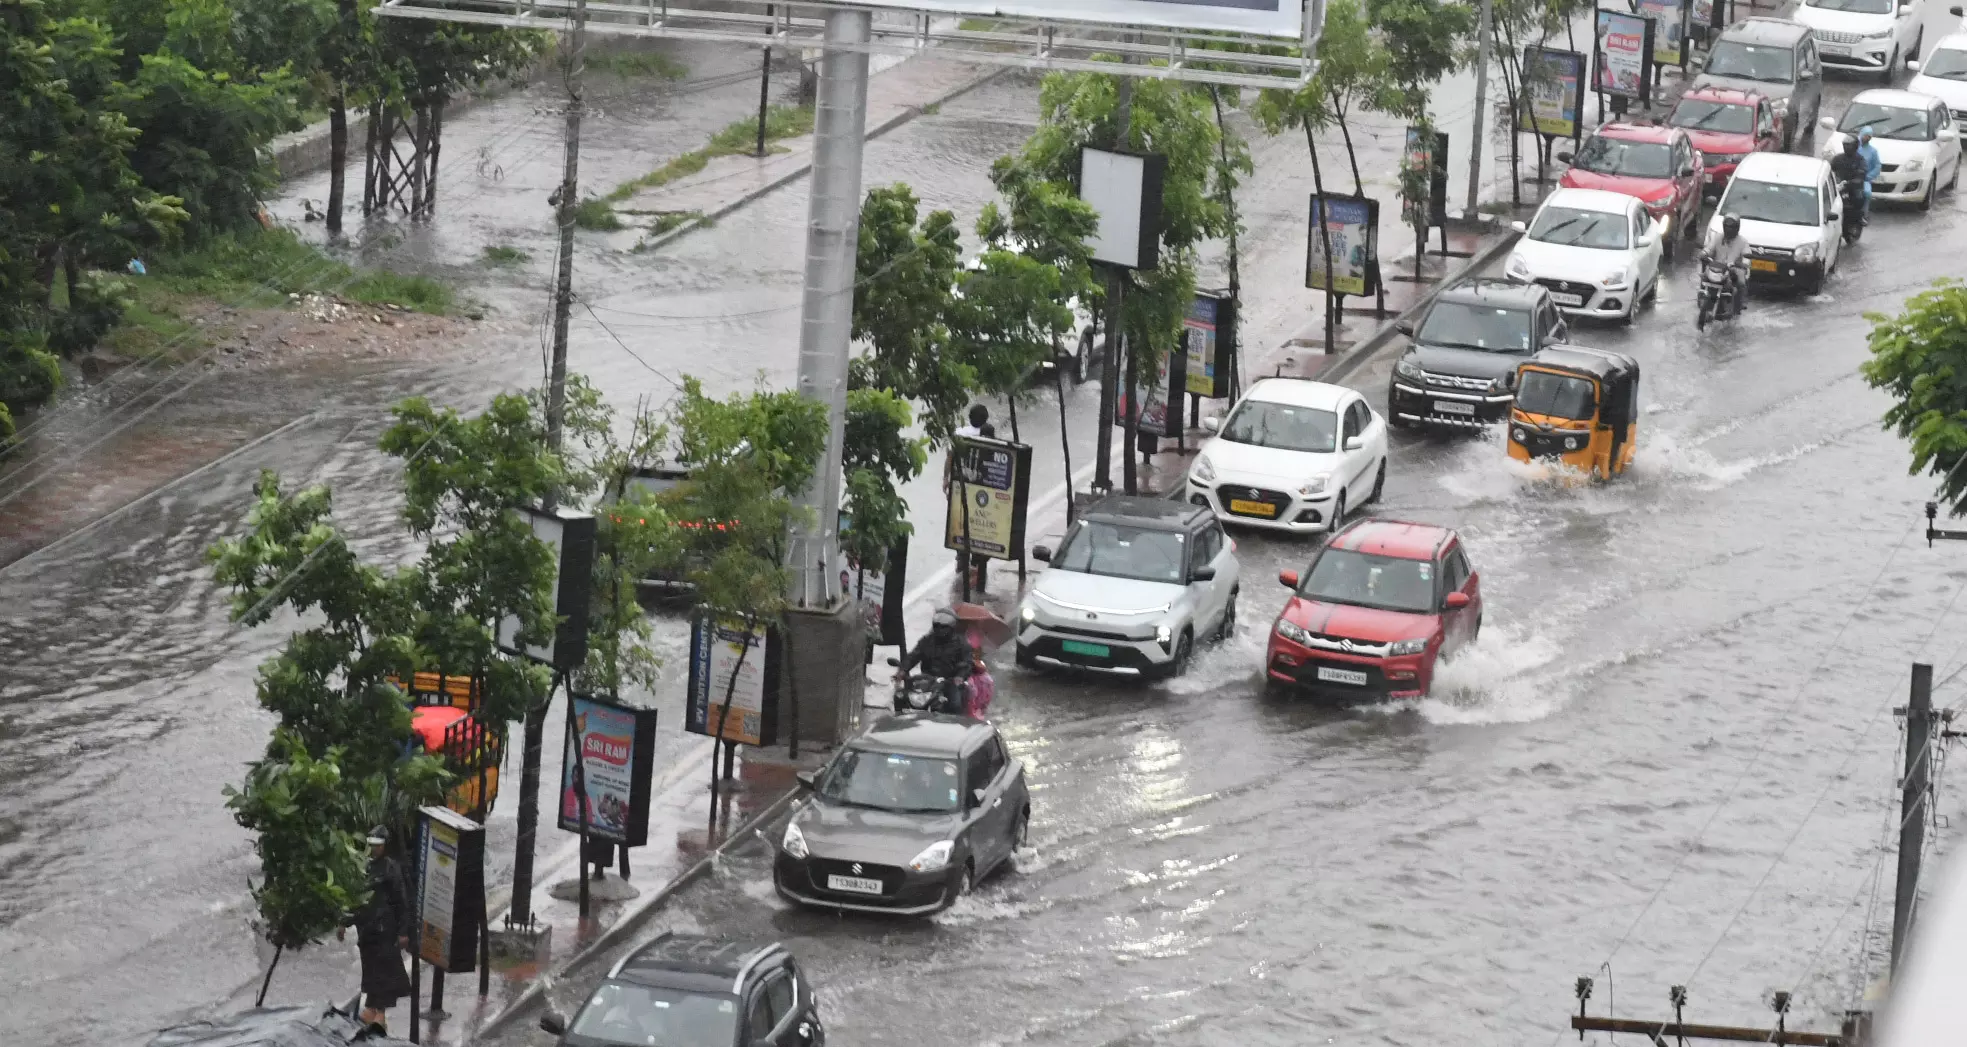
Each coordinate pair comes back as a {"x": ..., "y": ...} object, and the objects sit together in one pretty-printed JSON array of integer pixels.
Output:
[
  {"x": 907, "y": 114},
  {"x": 635, "y": 915},
  {"x": 1364, "y": 352}
]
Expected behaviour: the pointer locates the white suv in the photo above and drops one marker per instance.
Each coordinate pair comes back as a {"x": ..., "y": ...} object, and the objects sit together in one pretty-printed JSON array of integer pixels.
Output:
[
  {"x": 1294, "y": 454},
  {"x": 1136, "y": 584},
  {"x": 1869, "y": 35}
]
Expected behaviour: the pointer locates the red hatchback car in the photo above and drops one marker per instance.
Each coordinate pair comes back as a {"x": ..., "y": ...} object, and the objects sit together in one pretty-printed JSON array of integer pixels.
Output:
[
  {"x": 1659, "y": 165},
  {"x": 1382, "y": 602},
  {"x": 1727, "y": 125}
]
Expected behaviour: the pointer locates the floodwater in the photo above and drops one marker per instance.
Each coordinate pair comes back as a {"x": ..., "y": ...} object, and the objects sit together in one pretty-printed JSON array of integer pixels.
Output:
[{"x": 1669, "y": 760}]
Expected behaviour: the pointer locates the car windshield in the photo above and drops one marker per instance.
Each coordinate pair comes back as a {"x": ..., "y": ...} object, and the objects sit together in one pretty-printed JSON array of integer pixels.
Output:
[
  {"x": 1117, "y": 550},
  {"x": 1887, "y": 121},
  {"x": 1283, "y": 426},
  {"x": 1769, "y": 202},
  {"x": 1856, "y": 7},
  {"x": 1557, "y": 395},
  {"x": 1366, "y": 580},
  {"x": 891, "y": 781},
  {"x": 650, "y": 1017},
  {"x": 1750, "y": 62},
  {"x": 1460, "y": 325},
  {"x": 1613, "y": 156},
  {"x": 1699, "y": 114},
  {"x": 1571, "y": 227},
  {"x": 1946, "y": 63}
]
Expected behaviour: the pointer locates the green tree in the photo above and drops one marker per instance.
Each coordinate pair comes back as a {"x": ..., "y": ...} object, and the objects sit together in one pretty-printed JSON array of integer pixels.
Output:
[
  {"x": 878, "y": 457},
  {"x": 1919, "y": 358},
  {"x": 906, "y": 270},
  {"x": 1425, "y": 41}
]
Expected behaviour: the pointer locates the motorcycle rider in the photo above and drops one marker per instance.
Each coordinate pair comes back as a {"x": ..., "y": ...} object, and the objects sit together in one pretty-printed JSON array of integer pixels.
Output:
[
  {"x": 943, "y": 653},
  {"x": 1730, "y": 248},
  {"x": 1853, "y": 166}
]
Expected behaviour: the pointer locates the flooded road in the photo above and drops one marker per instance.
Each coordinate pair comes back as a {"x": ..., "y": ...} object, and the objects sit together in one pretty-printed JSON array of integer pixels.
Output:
[{"x": 1671, "y": 756}]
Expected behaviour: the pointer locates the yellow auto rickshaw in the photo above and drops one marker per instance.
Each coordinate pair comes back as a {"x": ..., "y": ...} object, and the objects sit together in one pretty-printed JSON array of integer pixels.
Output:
[{"x": 1578, "y": 407}]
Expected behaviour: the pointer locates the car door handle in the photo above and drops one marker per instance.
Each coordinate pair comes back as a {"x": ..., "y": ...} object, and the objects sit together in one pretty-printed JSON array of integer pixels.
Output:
[{"x": 995, "y": 804}]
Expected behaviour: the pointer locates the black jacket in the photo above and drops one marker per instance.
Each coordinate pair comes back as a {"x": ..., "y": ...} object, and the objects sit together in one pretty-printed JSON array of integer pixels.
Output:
[
  {"x": 1847, "y": 167},
  {"x": 387, "y": 915},
  {"x": 939, "y": 657}
]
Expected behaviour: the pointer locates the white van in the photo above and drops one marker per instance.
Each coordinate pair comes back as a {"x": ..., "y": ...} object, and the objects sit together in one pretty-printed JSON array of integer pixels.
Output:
[{"x": 1791, "y": 218}]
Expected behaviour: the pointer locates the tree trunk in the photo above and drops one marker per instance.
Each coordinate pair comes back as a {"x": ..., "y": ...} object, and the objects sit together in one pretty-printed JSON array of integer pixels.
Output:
[
  {"x": 1351, "y": 155},
  {"x": 1324, "y": 234},
  {"x": 1229, "y": 202},
  {"x": 436, "y": 145},
  {"x": 337, "y": 159},
  {"x": 1130, "y": 435},
  {"x": 71, "y": 267},
  {"x": 1511, "y": 63},
  {"x": 369, "y": 203},
  {"x": 48, "y": 268},
  {"x": 419, "y": 152}
]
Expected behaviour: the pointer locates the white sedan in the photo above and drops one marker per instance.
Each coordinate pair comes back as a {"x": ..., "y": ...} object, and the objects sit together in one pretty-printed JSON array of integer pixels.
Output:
[
  {"x": 1917, "y": 140},
  {"x": 1294, "y": 455},
  {"x": 1943, "y": 74},
  {"x": 1597, "y": 251}
]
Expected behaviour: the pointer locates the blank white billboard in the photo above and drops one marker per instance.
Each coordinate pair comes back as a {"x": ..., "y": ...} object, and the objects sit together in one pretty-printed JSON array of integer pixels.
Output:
[{"x": 1283, "y": 18}]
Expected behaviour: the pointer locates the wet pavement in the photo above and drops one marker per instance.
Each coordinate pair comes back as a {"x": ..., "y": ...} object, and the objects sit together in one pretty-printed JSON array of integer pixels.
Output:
[{"x": 1672, "y": 751}]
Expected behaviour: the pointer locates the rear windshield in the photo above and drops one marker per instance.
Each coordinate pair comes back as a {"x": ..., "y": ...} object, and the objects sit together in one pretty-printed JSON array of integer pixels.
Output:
[
  {"x": 1751, "y": 62},
  {"x": 1557, "y": 395},
  {"x": 1770, "y": 202},
  {"x": 1613, "y": 156},
  {"x": 1366, "y": 580},
  {"x": 1570, "y": 227},
  {"x": 1699, "y": 115}
]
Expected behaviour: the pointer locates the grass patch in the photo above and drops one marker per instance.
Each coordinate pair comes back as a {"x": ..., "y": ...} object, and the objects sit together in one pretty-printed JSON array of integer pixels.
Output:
[
  {"x": 152, "y": 326},
  {"x": 638, "y": 64},
  {"x": 739, "y": 138},
  {"x": 260, "y": 268},
  {"x": 594, "y": 213},
  {"x": 505, "y": 254},
  {"x": 977, "y": 25}
]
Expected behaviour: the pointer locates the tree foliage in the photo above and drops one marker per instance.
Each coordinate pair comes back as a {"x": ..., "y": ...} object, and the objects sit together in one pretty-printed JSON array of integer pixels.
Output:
[
  {"x": 1919, "y": 357},
  {"x": 878, "y": 457},
  {"x": 906, "y": 272}
]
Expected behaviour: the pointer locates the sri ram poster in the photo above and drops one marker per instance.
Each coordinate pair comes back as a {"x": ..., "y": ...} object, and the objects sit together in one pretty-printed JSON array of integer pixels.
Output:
[{"x": 1622, "y": 65}]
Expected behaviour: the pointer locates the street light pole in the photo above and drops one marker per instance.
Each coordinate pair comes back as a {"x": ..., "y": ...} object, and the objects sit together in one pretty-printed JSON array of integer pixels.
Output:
[{"x": 1482, "y": 35}]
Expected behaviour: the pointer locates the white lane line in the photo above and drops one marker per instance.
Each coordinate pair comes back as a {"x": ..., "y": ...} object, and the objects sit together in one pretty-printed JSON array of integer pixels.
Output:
[{"x": 1042, "y": 505}]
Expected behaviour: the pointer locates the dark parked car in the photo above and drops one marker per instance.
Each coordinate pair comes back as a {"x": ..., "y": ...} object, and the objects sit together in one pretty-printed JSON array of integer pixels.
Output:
[
  {"x": 1458, "y": 371},
  {"x": 1777, "y": 59},
  {"x": 906, "y": 818},
  {"x": 687, "y": 989}
]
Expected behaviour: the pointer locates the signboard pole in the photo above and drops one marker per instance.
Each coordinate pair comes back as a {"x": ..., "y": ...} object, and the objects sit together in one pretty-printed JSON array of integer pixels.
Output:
[
  {"x": 964, "y": 558},
  {"x": 1065, "y": 446}
]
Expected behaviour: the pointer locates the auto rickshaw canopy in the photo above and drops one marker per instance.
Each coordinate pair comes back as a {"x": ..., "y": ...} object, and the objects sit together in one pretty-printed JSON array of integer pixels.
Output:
[{"x": 1617, "y": 376}]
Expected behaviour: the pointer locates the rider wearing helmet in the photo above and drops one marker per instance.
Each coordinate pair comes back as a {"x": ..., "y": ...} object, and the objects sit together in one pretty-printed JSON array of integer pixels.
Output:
[
  {"x": 1729, "y": 248},
  {"x": 945, "y": 653},
  {"x": 1857, "y": 164}
]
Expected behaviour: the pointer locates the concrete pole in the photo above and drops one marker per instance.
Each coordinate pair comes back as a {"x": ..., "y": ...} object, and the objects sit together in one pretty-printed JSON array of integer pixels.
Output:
[
  {"x": 1914, "y": 806},
  {"x": 827, "y": 316},
  {"x": 1476, "y": 130}
]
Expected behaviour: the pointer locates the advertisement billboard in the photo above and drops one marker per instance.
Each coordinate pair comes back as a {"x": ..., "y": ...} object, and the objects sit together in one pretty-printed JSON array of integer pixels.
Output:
[
  {"x": 729, "y": 660},
  {"x": 1352, "y": 227},
  {"x": 1209, "y": 335},
  {"x": 1556, "y": 95},
  {"x": 617, "y": 747},
  {"x": 990, "y": 484},
  {"x": 1622, "y": 61},
  {"x": 450, "y": 889},
  {"x": 1669, "y": 18},
  {"x": 1160, "y": 396},
  {"x": 1280, "y": 18}
]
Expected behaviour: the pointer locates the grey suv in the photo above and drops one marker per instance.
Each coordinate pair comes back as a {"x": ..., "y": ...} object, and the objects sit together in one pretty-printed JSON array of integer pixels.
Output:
[
  {"x": 1458, "y": 372},
  {"x": 683, "y": 988},
  {"x": 1777, "y": 59}
]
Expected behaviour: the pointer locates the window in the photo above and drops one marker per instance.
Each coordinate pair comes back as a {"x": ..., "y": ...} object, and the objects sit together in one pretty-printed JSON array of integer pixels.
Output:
[
  {"x": 778, "y": 995},
  {"x": 1702, "y": 115},
  {"x": 890, "y": 781},
  {"x": 1617, "y": 156},
  {"x": 1555, "y": 395},
  {"x": 1118, "y": 550},
  {"x": 1369, "y": 580},
  {"x": 1769, "y": 202},
  {"x": 1888, "y": 121},
  {"x": 1826, "y": 196},
  {"x": 1774, "y": 65},
  {"x": 1457, "y": 570},
  {"x": 1208, "y": 542},
  {"x": 1283, "y": 426},
  {"x": 983, "y": 766},
  {"x": 1362, "y": 418},
  {"x": 1572, "y": 227},
  {"x": 619, "y": 1012},
  {"x": 1638, "y": 225},
  {"x": 1765, "y": 121},
  {"x": 759, "y": 1020},
  {"x": 1464, "y": 325},
  {"x": 1946, "y": 63}
]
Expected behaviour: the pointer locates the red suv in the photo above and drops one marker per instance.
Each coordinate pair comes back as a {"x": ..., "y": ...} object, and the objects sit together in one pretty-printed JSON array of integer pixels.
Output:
[
  {"x": 1659, "y": 165},
  {"x": 1726, "y": 125},
  {"x": 1381, "y": 603}
]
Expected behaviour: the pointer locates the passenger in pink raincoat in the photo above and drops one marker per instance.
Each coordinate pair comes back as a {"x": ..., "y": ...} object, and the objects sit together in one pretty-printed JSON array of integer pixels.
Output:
[{"x": 982, "y": 687}]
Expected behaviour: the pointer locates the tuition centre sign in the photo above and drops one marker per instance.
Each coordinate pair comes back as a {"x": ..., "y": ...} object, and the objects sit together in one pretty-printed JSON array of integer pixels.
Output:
[{"x": 1283, "y": 18}]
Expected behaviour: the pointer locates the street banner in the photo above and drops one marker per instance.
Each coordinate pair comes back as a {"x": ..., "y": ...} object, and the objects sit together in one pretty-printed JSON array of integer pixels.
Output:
[
  {"x": 1669, "y": 18},
  {"x": 1353, "y": 225},
  {"x": 989, "y": 488},
  {"x": 450, "y": 889},
  {"x": 1276, "y": 18},
  {"x": 617, "y": 747},
  {"x": 1622, "y": 63},
  {"x": 1160, "y": 396},
  {"x": 569, "y": 535},
  {"x": 1209, "y": 339},
  {"x": 1556, "y": 82},
  {"x": 729, "y": 659}
]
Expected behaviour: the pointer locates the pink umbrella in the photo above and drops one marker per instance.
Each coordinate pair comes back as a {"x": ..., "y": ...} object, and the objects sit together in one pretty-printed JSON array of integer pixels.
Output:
[{"x": 983, "y": 624}]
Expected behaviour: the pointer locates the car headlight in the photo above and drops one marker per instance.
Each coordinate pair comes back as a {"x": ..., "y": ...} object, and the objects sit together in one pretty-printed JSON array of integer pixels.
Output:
[
  {"x": 1806, "y": 253},
  {"x": 1726, "y": 158},
  {"x": 1293, "y": 632},
  {"x": 1616, "y": 278},
  {"x": 1407, "y": 367},
  {"x": 1913, "y": 165},
  {"x": 1880, "y": 35},
  {"x": 1519, "y": 267},
  {"x": 1203, "y": 468},
  {"x": 1028, "y": 613},
  {"x": 1414, "y": 646},
  {"x": 933, "y": 857},
  {"x": 1570, "y": 443},
  {"x": 1315, "y": 485},
  {"x": 794, "y": 842},
  {"x": 1163, "y": 634},
  {"x": 1522, "y": 435}
]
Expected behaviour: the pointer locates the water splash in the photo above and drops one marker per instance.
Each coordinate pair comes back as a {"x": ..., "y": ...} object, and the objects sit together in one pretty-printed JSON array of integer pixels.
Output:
[
  {"x": 1666, "y": 455},
  {"x": 1495, "y": 680}
]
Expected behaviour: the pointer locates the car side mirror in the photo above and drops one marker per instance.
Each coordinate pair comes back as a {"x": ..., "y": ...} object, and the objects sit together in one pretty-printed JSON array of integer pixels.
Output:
[
  {"x": 1827, "y": 124},
  {"x": 808, "y": 780},
  {"x": 1455, "y": 601},
  {"x": 1687, "y": 170},
  {"x": 1956, "y": 12},
  {"x": 1807, "y": 74},
  {"x": 1354, "y": 443},
  {"x": 1564, "y": 156},
  {"x": 1203, "y": 573},
  {"x": 1405, "y": 327},
  {"x": 553, "y": 1022},
  {"x": 1212, "y": 424},
  {"x": 1519, "y": 227},
  {"x": 895, "y": 662},
  {"x": 1912, "y": 65},
  {"x": 1560, "y": 332},
  {"x": 1836, "y": 215},
  {"x": 1042, "y": 553},
  {"x": 1288, "y": 579},
  {"x": 977, "y": 797}
]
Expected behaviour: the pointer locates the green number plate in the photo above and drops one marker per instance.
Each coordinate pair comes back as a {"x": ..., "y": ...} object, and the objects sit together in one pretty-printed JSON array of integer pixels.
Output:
[{"x": 1097, "y": 650}]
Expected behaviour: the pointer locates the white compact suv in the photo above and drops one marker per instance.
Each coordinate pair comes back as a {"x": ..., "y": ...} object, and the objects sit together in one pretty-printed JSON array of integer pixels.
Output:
[
  {"x": 1869, "y": 35},
  {"x": 1137, "y": 583},
  {"x": 1294, "y": 455},
  {"x": 1791, "y": 218}
]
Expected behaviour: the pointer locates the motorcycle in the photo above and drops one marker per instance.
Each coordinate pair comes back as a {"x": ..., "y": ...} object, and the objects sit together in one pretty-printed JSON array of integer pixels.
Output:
[
  {"x": 922, "y": 693},
  {"x": 1717, "y": 295},
  {"x": 1853, "y": 192}
]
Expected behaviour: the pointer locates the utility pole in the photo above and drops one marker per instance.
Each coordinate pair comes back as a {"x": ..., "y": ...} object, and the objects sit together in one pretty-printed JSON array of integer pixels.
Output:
[
  {"x": 1482, "y": 35},
  {"x": 566, "y": 197},
  {"x": 1116, "y": 287},
  {"x": 765, "y": 78},
  {"x": 1915, "y": 800}
]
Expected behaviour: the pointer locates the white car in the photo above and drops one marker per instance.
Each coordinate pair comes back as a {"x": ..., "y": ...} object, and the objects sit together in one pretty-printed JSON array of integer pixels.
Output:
[
  {"x": 1790, "y": 215},
  {"x": 1868, "y": 35},
  {"x": 1294, "y": 455},
  {"x": 1943, "y": 74},
  {"x": 1598, "y": 252},
  {"x": 1917, "y": 140}
]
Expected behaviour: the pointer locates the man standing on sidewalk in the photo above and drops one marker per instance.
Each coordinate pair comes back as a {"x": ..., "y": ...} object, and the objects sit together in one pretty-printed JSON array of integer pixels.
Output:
[{"x": 382, "y": 932}]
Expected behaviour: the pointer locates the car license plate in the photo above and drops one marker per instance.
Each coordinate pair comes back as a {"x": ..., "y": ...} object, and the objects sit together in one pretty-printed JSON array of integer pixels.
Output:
[
  {"x": 1248, "y": 508},
  {"x": 1833, "y": 49},
  {"x": 856, "y": 884},
  {"x": 1330, "y": 675},
  {"x": 1762, "y": 264},
  {"x": 1567, "y": 299},
  {"x": 1097, "y": 650},
  {"x": 1451, "y": 407}
]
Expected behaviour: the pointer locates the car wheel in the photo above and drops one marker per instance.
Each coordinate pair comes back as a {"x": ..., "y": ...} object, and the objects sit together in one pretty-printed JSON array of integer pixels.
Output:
[
  {"x": 1227, "y": 627},
  {"x": 1926, "y": 202},
  {"x": 1918, "y": 42},
  {"x": 1475, "y": 633},
  {"x": 964, "y": 881},
  {"x": 1667, "y": 247},
  {"x": 1021, "y": 831},
  {"x": 1026, "y": 660},
  {"x": 1632, "y": 310},
  {"x": 1338, "y": 517},
  {"x": 1183, "y": 648},
  {"x": 1379, "y": 485},
  {"x": 1891, "y": 66},
  {"x": 1954, "y": 182}
]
